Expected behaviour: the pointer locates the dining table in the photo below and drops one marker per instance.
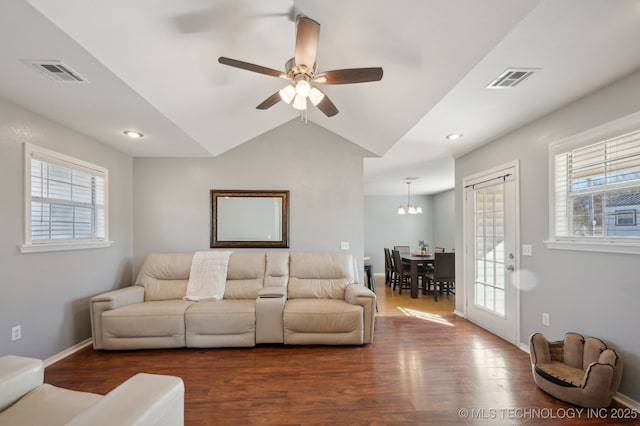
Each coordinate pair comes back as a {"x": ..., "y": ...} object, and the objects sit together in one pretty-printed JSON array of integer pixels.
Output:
[{"x": 415, "y": 260}]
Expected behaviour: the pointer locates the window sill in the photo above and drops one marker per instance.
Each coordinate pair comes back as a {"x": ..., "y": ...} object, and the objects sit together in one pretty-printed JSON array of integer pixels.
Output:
[
  {"x": 597, "y": 246},
  {"x": 39, "y": 248}
]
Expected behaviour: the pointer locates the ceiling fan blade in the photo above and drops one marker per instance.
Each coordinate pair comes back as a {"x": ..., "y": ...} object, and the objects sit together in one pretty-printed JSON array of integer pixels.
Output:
[
  {"x": 307, "y": 36},
  {"x": 250, "y": 67},
  {"x": 347, "y": 76},
  {"x": 270, "y": 101},
  {"x": 327, "y": 107}
]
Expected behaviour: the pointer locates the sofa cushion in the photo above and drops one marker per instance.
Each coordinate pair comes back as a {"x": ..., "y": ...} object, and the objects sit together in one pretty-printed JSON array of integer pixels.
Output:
[
  {"x": 322, "y": 316},
  {"x": 319, "y": 275},
  {"x": 560, "y": 374},
  {"x": 245, "y": 275},
  {"x": 215, "y": 323},
  {"x": 277, "y": 273},
  {"x": 148, "y": 319},
  {"x": 164, "y": 276},
  {"x": 48, "y": 405}
]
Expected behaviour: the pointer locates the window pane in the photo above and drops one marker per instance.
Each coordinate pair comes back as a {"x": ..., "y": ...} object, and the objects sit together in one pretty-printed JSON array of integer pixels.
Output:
[
  {"x": 67, "y": 199},
  {"x": 479, "y": 294},
  {"x": 593, "y": 184}
]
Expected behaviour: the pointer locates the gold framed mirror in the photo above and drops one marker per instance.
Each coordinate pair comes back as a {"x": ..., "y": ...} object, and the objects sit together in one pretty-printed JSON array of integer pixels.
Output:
[{"x": 249, "y": 219}]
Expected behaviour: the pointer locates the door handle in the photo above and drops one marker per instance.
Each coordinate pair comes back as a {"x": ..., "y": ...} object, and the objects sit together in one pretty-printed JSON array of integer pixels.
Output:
[{"x": 511, "y": 268}]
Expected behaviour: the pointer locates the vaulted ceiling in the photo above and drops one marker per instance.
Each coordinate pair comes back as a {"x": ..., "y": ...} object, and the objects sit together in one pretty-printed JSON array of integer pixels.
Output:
[{"x": 152, "y": 66}]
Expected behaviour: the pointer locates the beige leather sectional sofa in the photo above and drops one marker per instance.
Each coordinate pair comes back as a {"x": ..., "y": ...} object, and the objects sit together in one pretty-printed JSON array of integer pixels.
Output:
[
  {"x": 144, "y": 399},
  {"x": 270, "y": 297}
]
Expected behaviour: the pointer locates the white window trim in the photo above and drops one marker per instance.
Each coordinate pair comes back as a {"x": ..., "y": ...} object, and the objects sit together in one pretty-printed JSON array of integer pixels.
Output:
[
  {"x": 30, "y": 246},
  {"x": 609, "y": 130}
]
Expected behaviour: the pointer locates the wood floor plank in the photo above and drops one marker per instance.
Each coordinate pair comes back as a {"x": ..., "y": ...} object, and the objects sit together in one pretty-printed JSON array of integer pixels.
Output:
[{"x": 420, "y": 369}]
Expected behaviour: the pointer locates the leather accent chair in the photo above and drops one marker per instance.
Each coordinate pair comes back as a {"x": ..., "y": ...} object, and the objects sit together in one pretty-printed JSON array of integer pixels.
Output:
[
  {"x": 577, "y": 370},
  {"x": 144, "y": 399}
]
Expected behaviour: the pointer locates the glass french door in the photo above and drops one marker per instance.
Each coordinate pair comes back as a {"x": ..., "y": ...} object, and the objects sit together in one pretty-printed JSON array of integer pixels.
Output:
[{"x": 491, "y": 255}]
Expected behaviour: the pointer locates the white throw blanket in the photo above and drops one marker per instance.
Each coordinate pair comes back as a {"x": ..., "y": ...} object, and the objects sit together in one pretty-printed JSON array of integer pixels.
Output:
[{"x": 208, "y": 276}]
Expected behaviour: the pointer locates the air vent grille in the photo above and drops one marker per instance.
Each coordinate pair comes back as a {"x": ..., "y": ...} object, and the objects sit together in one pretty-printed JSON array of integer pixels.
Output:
[
  {"x": 57, "y": 71},
  {"x": 511, "y": 78}
]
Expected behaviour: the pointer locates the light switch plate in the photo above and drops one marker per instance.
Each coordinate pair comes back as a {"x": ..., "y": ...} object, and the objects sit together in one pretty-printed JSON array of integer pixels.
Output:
[{"x": 527, "y": 250}]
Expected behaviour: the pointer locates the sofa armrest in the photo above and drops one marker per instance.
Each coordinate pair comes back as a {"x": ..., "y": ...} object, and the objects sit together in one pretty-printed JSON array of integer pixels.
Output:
[
  {"x": 611, "y": 357},
  {"x": 273, "y": 291},
  {"x": 269, "y": 314},
  {"x": 18, "y": 375},
  {"x": 121, "y": 297},
  {"x": 144, "y": 399},
  {"x": 598, "y": 378},
  {"x": 107, "y": 301},
  {"x": 357, "y": 294}
]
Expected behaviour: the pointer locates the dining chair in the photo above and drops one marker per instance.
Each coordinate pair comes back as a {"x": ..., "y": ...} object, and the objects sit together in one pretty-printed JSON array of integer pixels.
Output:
[
  {"x": 402, "y": 249},
  {"x": 402, "y": 273},
  {"x": 443, "y": 276},
  {"x": 388, "y": 268}
]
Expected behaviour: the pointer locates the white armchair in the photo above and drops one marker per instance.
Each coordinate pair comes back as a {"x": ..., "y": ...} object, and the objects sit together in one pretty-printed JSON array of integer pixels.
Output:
[{"x": 144, "y": 399}]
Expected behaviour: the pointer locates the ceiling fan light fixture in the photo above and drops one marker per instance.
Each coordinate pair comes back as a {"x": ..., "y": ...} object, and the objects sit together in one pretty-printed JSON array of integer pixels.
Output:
[
  {"x": 401, "y": 210},
  {"x": 300, "y": 103},
  {"x": 315, "y": 96},
  {"x": 301, "y": 72},
  {"x": 287, "y": 94},
  {"x": 303, "y": 88}
]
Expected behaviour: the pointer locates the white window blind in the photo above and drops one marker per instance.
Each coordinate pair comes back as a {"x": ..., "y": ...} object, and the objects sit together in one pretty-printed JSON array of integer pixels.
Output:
[
  {"x": 66, "y": 203},
  {"x": 594, "y": 185}
]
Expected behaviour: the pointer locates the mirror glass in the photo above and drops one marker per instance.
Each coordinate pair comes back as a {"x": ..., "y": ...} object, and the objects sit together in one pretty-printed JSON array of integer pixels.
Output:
[{"x": 249, "y": 219}]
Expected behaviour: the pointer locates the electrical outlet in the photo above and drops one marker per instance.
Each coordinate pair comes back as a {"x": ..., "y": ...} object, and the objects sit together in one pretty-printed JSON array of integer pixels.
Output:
[
  {"x": 344, "y": 245},
  {"x": 527, "y": 250},
  {"x": 545, "y": 319},
  {"x": 16, "y": 333}
]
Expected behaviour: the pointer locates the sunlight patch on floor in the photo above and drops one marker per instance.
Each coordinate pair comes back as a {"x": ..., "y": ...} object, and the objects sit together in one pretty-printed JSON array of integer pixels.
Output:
[{"x": 425, "y": 316}]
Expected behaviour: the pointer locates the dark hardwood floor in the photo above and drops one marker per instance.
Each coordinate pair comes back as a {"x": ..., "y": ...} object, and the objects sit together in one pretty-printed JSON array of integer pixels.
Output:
[{"x": 424, "y": 367}]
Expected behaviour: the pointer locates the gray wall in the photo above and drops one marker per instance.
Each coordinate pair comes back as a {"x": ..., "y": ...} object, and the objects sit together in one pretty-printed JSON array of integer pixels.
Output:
[
  {"x": 444, "y": 229},
  {"x": 384, "y": 227},
  {"x": 47, "y": 293},
  {"x": 322, "y": 171},
  {"x": 596, "y": 294}
]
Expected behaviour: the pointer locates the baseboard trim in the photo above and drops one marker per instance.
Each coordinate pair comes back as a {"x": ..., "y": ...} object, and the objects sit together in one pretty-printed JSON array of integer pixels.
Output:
[
  {"x": 523, "y": 347},
  {"x": 65, "y": 353},
  {"x": 627, "y": 402},
  {"x": 458, "y": 313}
]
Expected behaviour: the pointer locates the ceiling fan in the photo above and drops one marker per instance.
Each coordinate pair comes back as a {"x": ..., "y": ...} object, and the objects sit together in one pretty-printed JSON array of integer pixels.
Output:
[{"x": 302, "y": 75}]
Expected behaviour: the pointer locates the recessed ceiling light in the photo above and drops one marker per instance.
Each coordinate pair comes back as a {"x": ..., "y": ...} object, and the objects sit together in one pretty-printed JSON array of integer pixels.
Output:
[
  {"x": 454, "y": 136},
  {"x": 133, "y": 134}
]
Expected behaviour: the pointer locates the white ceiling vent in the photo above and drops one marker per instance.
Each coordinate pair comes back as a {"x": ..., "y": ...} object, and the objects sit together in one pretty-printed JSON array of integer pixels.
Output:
[
  {"x": 57, "y": 71},
  {"x": 511, "y": 78}
]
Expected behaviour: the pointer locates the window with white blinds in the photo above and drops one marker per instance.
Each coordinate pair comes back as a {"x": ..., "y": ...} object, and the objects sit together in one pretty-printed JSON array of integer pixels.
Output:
[
  {"x": 66, "y": 202},
  {"x": 596, "y": 192}
]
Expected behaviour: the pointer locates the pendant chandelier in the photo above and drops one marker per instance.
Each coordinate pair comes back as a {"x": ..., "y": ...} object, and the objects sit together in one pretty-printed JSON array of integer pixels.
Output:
[{"x": 409, "y": 208}]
